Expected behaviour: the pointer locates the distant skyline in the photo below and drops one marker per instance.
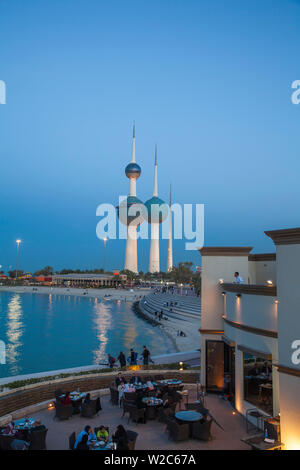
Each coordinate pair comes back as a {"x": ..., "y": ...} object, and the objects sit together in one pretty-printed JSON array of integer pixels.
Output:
[{"x": 208, "y": 81}]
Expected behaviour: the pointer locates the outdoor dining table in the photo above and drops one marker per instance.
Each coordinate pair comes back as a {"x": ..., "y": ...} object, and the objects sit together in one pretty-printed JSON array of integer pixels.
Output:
[
  {"x": 25, "y": 423},
  {"x": 76, "y": 399},
  {"x": 96, "y": 445},
  {"x": 188, "y": 417},
  {"x": 151, "y": 405}
]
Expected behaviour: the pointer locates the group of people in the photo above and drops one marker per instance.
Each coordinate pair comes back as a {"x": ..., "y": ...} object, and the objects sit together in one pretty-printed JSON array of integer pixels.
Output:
[
  {"x": 87, "y": 435},
  {"x": 22, "y": 437},
  {"x": 132, "y": 359}
]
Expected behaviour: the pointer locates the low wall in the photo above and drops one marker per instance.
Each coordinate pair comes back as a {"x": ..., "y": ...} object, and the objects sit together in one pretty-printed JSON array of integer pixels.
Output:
[{"x": 17, "y": 399}]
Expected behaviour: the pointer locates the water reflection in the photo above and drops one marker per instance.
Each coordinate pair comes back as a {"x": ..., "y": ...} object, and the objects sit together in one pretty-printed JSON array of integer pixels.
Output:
[
  {"x": 102, "y": 322},
  {"x": 14, "y": 333}
]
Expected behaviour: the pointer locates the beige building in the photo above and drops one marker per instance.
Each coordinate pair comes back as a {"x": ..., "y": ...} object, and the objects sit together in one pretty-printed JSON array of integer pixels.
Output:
[{"x": 250, "y": 332}]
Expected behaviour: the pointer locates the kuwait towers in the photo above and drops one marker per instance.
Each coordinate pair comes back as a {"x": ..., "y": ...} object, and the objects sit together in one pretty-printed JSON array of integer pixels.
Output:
[
  {"x": 156, "y": 213},
  {"x": 170, "y": 248},
  {"x": 131, "y": 211}
]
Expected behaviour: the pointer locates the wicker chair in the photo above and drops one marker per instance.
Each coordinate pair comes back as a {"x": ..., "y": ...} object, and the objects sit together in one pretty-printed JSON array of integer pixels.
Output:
[
  {"x": 62, "y": 411},
  {"x": 201, "y": 430},
  {"x": 135, "y": 413},
  {"x": 88, "y": 410},
  {"x": 5, "y": 442},
  {"x": 72, "y": 440},
  {"x": 38, "y": 440},
  {"x": 130, "y": 396},
  {"x": 165, "y": 413},
  {"x": 114, "y": 396},
  {"x": 132, "y": 437},
  {"x": 126, "y": 406},
  {"x": 58, "y": 393},
  {"x": 177, "y": 432}
]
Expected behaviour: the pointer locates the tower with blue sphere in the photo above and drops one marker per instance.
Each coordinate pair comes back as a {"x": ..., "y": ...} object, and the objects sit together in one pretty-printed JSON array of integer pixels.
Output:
[
  {"x": 131, "y": 212},
  {"x": 156, "y": 213}
]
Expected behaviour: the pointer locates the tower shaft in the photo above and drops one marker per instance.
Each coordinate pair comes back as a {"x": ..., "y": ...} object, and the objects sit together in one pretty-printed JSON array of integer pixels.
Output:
[
  {"x": 154, "y": 265},
  {"x": 170, "y": 240},
  {"x": 131, "y": 250}
]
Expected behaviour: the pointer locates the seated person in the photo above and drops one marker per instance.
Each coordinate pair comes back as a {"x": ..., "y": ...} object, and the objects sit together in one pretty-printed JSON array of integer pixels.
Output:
[
  {"x": 121, "y": 438},
  {"x": 66, "y": 399},
  {"x": 84, "y": 443},
  {"x": 255, "y": 370},
  {"x": 86, "y": 432},
  {"x": 87, "y": 399},
  {"x": 149, "y": 385},
  {"x": 120, "y": 379},
  {"x": 10, "y": 429},
  {"x": 37, "y": 426},
  {"x": 102, "y": 434},
  {"x": 135, "y": 379}
]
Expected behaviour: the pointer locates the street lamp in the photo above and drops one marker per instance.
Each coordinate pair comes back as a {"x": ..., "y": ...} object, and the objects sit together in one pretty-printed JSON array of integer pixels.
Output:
[
  {"x": 104, "y": 240},
  {"x": 181, "y": 285},
  {"x": 18, "y": 245}
]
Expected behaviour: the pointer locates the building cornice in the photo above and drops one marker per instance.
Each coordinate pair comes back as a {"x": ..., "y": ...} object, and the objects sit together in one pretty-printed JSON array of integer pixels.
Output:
[
  {"x": 250, "y": 329},
  {"x": 225, "y": 250},
  {"x": 290, "y": 236},
  {"x": 251, "y": 289},
  {"x": 262, "y": 257}
]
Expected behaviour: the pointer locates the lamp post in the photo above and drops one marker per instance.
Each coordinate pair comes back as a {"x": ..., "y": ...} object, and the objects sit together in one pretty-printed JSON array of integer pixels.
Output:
[
  {"x": 18, "y": 245},
  {"x": 104, "y": 240},
  {"x": 181, "y": 285}
]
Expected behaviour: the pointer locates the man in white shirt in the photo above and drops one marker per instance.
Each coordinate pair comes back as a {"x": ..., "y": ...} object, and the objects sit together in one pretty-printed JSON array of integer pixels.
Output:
[{"x": 238, "y": 278}]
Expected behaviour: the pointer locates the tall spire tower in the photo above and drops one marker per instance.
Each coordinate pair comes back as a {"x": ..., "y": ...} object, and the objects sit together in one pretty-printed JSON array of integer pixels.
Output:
[
  {"x": 170, "y": 240},
  {"x": 130, "y": 211},
  {"x": 157, "y": 213}
]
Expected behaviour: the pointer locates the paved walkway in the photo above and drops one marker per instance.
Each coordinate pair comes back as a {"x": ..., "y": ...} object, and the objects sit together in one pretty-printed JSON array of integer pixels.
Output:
[{"x": 152, "y": 435}]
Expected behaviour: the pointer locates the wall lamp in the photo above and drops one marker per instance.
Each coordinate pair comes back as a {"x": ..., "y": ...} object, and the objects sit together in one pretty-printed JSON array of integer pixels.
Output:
[
  {"x": 270, "y": 282},
  {"x": 238, "y": 296},
  {"x": 276, "y": 301},
  {"x": 224, "y": 294},
  {"x": 221, "y": 281}
]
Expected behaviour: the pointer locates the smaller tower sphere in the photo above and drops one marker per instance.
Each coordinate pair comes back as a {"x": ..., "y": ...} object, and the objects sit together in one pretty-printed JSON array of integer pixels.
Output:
[
  {"x": 133, "y": 170},
  {"x": 157, "y": 210}
]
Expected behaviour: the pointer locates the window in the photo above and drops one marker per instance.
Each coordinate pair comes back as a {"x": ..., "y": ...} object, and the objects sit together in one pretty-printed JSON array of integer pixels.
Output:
[{"x": 258, "y": 388}]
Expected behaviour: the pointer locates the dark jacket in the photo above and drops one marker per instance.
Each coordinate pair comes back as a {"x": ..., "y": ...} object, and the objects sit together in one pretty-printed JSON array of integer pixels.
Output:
[
  {"x": 135, "y": 380},
  {"x": 118, "y": 381}
]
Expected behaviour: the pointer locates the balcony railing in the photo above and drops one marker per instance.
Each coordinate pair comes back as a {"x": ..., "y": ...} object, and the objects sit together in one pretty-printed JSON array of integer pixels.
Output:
[{"x": 250, "y": 289}]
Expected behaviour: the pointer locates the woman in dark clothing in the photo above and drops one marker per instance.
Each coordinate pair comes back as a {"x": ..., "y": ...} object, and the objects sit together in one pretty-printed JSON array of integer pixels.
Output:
[
  {"x": 87, "y": 399},
  {"x": 121, "y": 438},
  {"x": 122, "y": 359},
  {"x": 83, "y": 445}
]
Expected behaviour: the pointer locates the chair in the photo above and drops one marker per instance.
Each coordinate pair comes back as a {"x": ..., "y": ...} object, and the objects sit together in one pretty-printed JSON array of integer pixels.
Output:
[
  {"x": 98, "y": 405},
  {"x": 62, "y": 411},
  {"x": 5, "y": 442},
  {"x": 130, "y": 396},
  {"x": 201, "y": 430},
  {"x": 178, "y": 432},
  {"x": 58, "y": 393},
  {"x": 72, "y": 440},
  {"x": 38, "y": 440},
  {"x": 132, "y": 437},
  {"x": 165, "y": 413},
  {"x": 126, "y": 407},
  {"x": 114, "y": 396},
  {"x": 88, "y": 410},
  {"x": 135, "y": 414}
]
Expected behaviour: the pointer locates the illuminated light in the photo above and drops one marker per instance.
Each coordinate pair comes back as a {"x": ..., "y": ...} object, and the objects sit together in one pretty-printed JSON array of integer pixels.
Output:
[
  {"x": 50, "y": 406},
  {"x": 276, "y": 301},
  {"x": 181, "y": 368},
  {"x": 233, "y": 413},
  {"x": 269, "y": 282},
  {"x": 238, "y": 296},
  {"x": 221, "y": 281},
  {"x": 223, "y": 293}
]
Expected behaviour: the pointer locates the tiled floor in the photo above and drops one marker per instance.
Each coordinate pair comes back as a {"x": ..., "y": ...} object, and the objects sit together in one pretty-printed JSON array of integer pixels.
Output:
[{"x": 152, "y": 435}]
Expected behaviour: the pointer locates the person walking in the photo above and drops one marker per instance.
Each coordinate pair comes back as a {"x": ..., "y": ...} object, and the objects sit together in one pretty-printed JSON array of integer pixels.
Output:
[
  {"x": 111, "y": 361},
  {"x": 122, "y": 359},
  {"x": 146, "y": 356},
  {"x": 132, "y": 357}
]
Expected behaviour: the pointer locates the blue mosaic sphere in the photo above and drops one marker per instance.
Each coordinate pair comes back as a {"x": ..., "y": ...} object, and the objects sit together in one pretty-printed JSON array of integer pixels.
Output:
[
  {"x": 132, "y": 205},
  {"x": 133, "y": 170},
  {"x": 157, "y": 210}
]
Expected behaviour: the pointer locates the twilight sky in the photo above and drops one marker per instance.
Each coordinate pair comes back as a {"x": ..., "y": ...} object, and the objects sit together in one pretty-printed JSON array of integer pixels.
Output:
[{"x": 209, "y": 81}]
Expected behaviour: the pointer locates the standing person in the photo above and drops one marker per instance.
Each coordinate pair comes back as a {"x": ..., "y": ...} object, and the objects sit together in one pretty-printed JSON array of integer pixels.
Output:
[
  {"x": 238, "y": 278},
  {"x": 111, "y": 361},
  {"x": 146, "y": 356},
  {"x": 122, "y": 359},
  {"x": 133, "y": 356}
]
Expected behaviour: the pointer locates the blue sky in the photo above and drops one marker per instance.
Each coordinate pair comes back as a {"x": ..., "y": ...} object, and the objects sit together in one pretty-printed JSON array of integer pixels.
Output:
[{"x": 209, "y": 81}]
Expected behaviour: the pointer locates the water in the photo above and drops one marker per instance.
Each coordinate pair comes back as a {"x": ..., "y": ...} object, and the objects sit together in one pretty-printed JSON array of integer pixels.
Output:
[{"x": 48, "y": 332}]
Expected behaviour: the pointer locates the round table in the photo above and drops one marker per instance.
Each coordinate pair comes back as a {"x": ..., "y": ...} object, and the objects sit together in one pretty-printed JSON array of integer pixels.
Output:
[
  {"x": 152, "y": 403},
  {"x": 108, "y": 446},
  {"x": 188, "y": 417}
]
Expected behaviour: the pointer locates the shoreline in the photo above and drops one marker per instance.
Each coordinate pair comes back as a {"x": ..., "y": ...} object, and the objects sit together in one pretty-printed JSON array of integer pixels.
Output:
[{"x": 169, "y": 332}]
